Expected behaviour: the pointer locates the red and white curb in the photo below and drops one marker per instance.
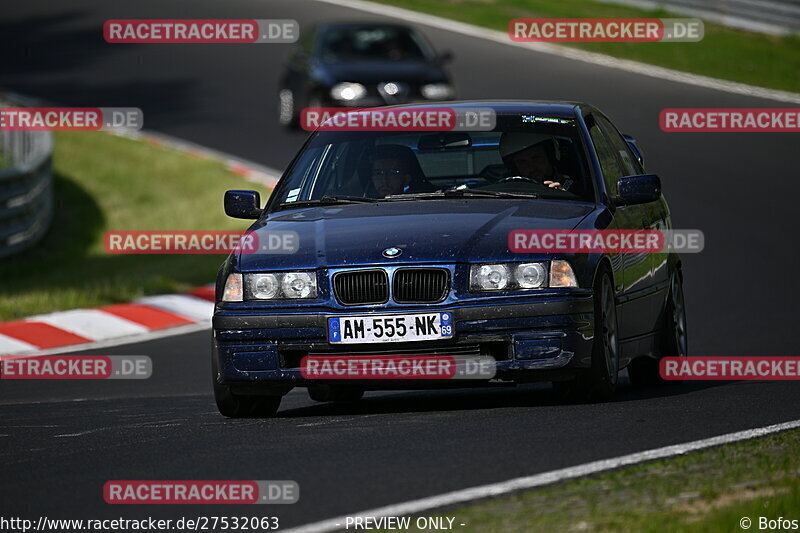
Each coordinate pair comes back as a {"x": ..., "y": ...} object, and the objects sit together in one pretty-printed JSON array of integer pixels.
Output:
[
  {"x": 146, "y": 318},
  {"x": 110, "y": 324}
]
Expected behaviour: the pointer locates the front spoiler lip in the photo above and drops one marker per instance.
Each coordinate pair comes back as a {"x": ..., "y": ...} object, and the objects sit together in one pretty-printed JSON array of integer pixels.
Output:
[
  {"x": 566, "y": 306},
  {"x": 507, "y": 372}
]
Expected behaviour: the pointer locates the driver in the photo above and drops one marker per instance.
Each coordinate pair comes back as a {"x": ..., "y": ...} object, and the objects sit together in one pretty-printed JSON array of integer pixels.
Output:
[
  {"x": 395, "y": 170},
  {"x": 532, "y": 156}
]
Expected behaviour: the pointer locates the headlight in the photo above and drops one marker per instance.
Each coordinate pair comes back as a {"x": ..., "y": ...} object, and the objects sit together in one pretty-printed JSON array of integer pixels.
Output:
[
  {"x": 280, "y": 286},
  {"x": 561, "y": 274},
  {"x": 348, "y": 91},
  {"x": 516, "y": 276},
  {"x": 263, "y": 286},
  {"x": 530, "y": 275},
  {"x": 489, "y": 277},
  {"x": 436, "y": 91},
  {"x": 234, "y": 291},
  {"x": 299, "y": 285}
]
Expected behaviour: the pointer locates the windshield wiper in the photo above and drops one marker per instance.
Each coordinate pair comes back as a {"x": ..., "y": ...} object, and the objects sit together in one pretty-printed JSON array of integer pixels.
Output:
[
  {"x": 461, "y": 193},
  {"x": 331, "y": 200},
  {"x": 456, "y": 193}
]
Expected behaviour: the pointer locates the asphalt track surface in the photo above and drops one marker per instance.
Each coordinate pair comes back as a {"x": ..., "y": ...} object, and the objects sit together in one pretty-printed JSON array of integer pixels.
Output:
[{"x": 60, "y": 441}]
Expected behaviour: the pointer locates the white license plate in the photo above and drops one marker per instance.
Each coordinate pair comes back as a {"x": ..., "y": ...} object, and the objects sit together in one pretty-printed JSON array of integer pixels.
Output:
[{"x": 390, "y": 328}]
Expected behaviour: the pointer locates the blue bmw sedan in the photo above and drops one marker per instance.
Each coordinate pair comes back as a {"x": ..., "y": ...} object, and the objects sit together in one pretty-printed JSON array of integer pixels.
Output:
[{"x": 394, "y": 245}]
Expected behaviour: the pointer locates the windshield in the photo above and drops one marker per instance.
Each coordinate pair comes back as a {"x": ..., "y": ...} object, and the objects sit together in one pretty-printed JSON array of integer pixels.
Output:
[
  {"x": 536, "y": 160},
  {"x": 374, "y": 43}
]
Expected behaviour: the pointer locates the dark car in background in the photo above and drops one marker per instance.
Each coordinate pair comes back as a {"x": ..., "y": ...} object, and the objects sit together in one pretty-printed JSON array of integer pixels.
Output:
[
  {"x": 373, "y": 253},
  {"x": 361, "y": 65}
]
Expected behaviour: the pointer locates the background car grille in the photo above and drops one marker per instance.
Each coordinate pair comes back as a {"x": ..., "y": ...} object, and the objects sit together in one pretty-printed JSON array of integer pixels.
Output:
[
  {"x": 361, "y": 287},
  {"x": 420, "y": 285}
]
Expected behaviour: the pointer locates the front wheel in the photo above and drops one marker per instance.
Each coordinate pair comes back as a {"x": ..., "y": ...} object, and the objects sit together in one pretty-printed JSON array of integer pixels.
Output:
[
  {"x": 599, "y": 382},
  {"x": 238, "y": 406},
  {"x": 674, "y": 340}
]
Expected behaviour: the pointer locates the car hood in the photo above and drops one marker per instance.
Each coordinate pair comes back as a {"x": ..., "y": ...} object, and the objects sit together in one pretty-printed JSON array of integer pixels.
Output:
[
  {"x": 425, "y": 231},
  {"x": 379, "y": 71}
]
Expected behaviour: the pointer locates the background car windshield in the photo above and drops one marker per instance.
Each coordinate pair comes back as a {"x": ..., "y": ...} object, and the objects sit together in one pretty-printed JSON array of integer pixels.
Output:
[
  {"x": 518, "y": 158},
  {"x": 377, "y": 43}
]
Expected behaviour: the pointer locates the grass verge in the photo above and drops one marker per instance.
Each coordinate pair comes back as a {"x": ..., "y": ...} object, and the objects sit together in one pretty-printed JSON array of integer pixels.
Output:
[
  {"x": 726, "y": 53},
  {"x": 103, "y": 183},
  {"x": 703, "y": 492}
]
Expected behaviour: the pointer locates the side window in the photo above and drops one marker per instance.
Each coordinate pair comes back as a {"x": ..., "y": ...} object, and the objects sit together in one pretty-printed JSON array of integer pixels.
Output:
[
  {"x": 609, "y": 163},
  {"x": 629, "y": 163}
]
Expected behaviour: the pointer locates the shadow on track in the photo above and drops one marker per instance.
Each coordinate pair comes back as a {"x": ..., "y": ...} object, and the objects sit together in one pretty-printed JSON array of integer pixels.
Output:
[{"x": 533, "y": 396}]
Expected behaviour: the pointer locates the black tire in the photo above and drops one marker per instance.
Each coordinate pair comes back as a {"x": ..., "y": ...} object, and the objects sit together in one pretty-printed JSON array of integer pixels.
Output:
[
  {"x": 332, "y": 393},
  {"x": 237, "y": 406},
  {"x": 600, "y": 381},
  {"x": 673, "y": 340}
]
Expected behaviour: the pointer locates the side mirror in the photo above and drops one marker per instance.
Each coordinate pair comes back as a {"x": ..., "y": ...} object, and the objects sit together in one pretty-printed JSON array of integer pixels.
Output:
[
  {"x": 635, "y": 149},
  {"x": 641, "y": 189},
  {"x": 242, "y": 204}
]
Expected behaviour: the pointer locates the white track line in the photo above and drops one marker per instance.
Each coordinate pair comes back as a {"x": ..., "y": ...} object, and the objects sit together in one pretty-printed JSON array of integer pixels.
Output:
[
  {"x": 538, "y": 480},
  {"x": 570, "y": 53}
]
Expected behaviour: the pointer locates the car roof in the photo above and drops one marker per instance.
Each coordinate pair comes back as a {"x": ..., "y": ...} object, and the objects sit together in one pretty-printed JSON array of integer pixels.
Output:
[{"x": 553, "y": 108}]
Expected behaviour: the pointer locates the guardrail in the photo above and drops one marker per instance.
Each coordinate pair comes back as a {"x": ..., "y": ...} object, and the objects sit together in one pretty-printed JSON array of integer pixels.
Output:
[{"x": 26, "y": 186}]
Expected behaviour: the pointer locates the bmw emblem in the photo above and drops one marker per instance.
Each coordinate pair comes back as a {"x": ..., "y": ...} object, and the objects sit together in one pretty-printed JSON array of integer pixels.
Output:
[{"x": 392, "y": 252}]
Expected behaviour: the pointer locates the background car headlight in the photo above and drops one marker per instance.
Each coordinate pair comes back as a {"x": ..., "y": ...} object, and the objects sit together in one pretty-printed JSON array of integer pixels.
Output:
[
  {"x": 530, "y": 275},
  {"x": 348, "y": 91},
  {"x": 489, "y": 277},
  {"x": 299, "y": 285},
  {"x": 280, "y": 285},
  {"x": 234, "y": 289},
  {"x": 561, "y": 274},
  {"x": 436, "y": 91}
]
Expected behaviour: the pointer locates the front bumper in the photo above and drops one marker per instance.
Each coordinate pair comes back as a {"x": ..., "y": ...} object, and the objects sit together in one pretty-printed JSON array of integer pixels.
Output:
[{"x": 534, "y": 340}]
